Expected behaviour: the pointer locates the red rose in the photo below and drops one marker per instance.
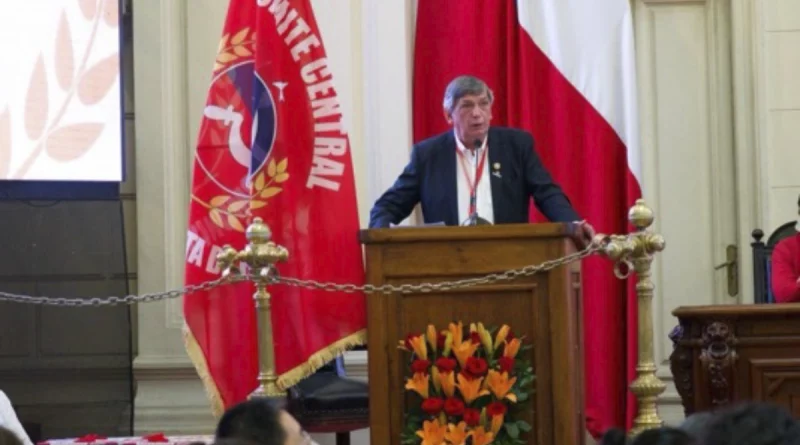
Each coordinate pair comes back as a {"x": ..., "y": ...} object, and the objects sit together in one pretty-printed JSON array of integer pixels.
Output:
[
  {"x": 472, "y": 417},
  {"x": 475, "y": 338},
  {"x": 496, "y": 409},
  {"x": 510, "y": 335},
  {"x": 453, "y": 407},
  {"x": 506, "y": 364},
  {"x": 433, "y": 406},
  {"x": 445, "y": 365},
  {"x": 440, "y": 339},
  {"x": 476, "y": 367},
  {"x": 420, "y": 366}
]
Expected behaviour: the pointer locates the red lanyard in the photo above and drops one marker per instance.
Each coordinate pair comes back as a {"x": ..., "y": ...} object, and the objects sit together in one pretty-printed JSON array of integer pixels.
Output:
[{"x": 473, "y": 186}]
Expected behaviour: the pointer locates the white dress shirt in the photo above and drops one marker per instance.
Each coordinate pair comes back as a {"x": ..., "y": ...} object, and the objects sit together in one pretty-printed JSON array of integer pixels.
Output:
[
  {"x": 484, "y": 190},
  {"x": 9, "y": 420}
]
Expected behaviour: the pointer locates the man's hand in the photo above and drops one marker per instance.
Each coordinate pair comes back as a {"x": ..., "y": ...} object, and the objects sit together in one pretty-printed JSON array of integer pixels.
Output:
[{"x": 584, "y": 232}]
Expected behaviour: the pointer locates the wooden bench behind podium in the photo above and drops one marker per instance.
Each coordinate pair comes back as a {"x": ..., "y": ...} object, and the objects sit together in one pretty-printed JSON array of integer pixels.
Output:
[
  {"x": 729, "y": 353},
  {"x": 545, "y": 308}
]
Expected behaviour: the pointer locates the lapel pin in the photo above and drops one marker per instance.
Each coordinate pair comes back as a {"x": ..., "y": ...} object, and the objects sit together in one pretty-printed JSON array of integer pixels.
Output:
[{"x": 496, "y": 168}]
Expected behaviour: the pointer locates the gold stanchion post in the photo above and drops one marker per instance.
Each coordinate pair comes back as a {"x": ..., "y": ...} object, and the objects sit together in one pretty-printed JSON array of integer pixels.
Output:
[
  {"x": 635, "y": 251},
  {"x": 259, "y": 255}
]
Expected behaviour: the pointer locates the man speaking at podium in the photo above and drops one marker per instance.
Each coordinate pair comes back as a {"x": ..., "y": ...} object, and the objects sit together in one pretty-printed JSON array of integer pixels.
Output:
[{"x": 475, "y": 174}]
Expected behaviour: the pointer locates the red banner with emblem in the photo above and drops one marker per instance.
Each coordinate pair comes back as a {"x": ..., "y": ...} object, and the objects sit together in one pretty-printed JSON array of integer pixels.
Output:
[{"x": 272, "y": 145}]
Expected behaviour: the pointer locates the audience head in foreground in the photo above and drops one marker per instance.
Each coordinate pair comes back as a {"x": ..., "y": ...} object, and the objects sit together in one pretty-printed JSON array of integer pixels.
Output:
[
  {"x": 752, "y": 424},
  {"x": 658, "y": 436},
  {"x": 259, "y": 422}
]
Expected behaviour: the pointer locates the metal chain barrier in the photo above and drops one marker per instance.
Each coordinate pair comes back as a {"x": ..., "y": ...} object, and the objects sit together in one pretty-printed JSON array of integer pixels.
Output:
[
  {"x": 443, "y": 285},
  {"x": 113, "y": 301},
  {"x": 309, "y": 284}
]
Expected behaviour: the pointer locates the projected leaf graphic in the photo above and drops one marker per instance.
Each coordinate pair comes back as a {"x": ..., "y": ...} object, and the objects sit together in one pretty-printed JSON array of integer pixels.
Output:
[
  {"x": 36, "y": 103},
  {"x": 5, "y": 143},
  {"x": 72, "y": 141},
  {"x": 111, "y": 13},
  {"x": 88, "y": 8},
  {"x": 64, "y": 58},
  {"x": 96, "y": 83}
]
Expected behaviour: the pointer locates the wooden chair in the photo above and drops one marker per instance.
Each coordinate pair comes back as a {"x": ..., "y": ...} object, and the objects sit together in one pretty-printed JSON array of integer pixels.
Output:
[
  {"x": 762, "y": 257},
  {"x": 330, "y": 402}
]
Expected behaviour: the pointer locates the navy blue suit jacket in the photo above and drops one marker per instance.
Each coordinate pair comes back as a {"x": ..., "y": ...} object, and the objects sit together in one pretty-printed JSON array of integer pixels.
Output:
[{"x": 430, "y": 179}]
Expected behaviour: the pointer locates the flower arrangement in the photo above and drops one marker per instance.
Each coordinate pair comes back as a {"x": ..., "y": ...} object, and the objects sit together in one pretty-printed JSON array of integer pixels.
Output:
[{"x": 468, "y": 386}]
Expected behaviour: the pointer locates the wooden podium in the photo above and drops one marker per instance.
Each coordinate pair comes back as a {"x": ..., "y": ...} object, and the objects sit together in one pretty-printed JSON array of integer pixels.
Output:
[{"x": 545, "y": 308}]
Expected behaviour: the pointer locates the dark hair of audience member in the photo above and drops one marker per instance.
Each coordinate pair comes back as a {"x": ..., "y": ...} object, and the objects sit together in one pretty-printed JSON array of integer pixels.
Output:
[
  {"x": 7, "y": 437},
  {"x": 613, "y": 436},
  {"x": 657, "y": 436},
  {"x": 695, "y": 425},
  {"x": 752, "y": 424},
  {"x": 254, "y": 421}
]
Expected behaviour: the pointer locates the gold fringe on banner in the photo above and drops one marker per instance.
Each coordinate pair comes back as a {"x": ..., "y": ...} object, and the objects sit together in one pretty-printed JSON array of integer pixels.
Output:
[
  {"x": 200, "y": 365},
  {"x": 321, "y": 358},
  {"x": 286, "y": 380}
]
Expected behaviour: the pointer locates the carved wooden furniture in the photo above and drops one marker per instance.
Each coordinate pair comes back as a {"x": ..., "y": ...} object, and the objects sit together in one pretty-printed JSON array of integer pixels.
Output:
[
  {"x": 330, "y": 402},
  {"x": 730, "y": 353},
  {"x": 546, "y": 308}
]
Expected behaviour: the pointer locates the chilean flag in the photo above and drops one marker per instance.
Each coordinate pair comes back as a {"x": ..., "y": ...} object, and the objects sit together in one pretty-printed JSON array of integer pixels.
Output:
[{"x": 563, "y": 70}]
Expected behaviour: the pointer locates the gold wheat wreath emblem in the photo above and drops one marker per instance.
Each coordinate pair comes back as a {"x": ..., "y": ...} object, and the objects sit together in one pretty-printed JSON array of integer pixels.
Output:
[
  {"x": 234, "y": 48},
  {"x": 229, "y": 212}
]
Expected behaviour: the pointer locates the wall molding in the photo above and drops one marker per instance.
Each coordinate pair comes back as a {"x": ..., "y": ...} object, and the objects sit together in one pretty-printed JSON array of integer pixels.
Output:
[
  {"x": 747, "y": 144},
  {"x": 387, "y": 72}
]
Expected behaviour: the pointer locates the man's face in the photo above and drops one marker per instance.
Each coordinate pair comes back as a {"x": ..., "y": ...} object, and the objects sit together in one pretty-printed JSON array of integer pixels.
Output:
[
  {"x": 294, "y": 433},
  {"x": 470, "y": 117}
]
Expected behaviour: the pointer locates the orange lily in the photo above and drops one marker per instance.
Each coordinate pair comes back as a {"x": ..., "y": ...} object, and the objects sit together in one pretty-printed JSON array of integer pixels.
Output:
[
  {"x": 432, "y": 432},
  {"x": 502, "y": 334},
  {"x": 481, "y": 437},
  {"x": 458, "y": 333},
  {"x": 512, "y": 347},
  {"x": 500, "y": 385},
  {"x": 464, "y": 351},
  {"x": 419, "y": 384},
  {"x": 419, "y": 347},
  {"x": 457, "y": 434},
  {"x": 432, "y": 337},
  {"x": 435, "y": 378},
  {"x": 448, "y": 383},
  {"x": 470, "y": 389},
  {"x": 497, "y": 423}
]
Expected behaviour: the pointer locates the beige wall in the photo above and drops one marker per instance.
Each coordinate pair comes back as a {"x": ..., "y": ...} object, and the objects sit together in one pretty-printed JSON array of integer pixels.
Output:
[
  {"x": 716, "y": 90},
  {"x": 777, "y": 94}
]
